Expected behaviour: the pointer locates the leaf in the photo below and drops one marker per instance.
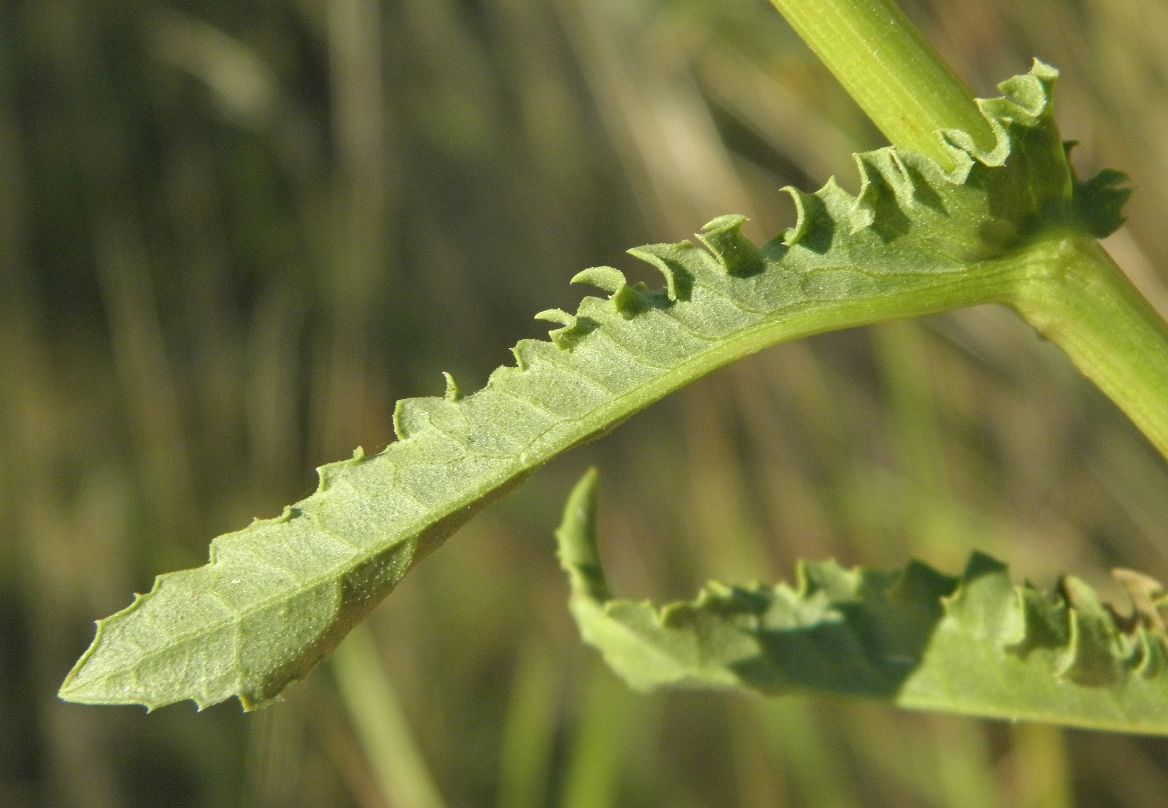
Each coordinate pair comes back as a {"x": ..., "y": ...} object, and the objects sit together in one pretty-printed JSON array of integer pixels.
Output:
[
  {"x": 974, "y": 644},
  {"x": 278, "y": 595}
]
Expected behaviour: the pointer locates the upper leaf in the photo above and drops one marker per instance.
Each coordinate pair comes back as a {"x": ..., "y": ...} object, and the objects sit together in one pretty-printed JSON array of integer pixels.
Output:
[
  {"x": 974, "y": 644},
  {"x": 280, "y": 594}
]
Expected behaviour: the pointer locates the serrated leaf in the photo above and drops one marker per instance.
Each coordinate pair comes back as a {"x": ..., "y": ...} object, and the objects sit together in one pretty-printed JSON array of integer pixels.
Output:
[
  {"x": 975, "y": 643},
  {"x": 279, "y": 595}
]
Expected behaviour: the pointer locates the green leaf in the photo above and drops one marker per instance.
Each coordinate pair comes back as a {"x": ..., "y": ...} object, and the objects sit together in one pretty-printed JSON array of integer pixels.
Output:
[
  {"x": 974, "y": 644},
  {"x": 277, "y": 596}
]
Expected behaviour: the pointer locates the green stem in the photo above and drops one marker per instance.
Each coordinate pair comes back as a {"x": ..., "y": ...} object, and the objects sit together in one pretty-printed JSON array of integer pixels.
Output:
[
  {"x": 895, "y": 76},
  {"x": 1072, "y": 292},
  {"x": 1077, "y": 297},
  {"x": 380, "y": 724}
]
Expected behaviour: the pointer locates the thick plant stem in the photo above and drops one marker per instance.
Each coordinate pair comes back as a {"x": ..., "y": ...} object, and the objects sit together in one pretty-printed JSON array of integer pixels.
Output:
[
  {"x": 895, "y": 76},
  {"x": 1072, "y": 293},
  {"x": 1077, "y": 297}
]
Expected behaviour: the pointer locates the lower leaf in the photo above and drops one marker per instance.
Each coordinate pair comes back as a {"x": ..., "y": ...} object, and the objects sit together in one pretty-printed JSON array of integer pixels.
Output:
[{"x": 974, "y": 644}]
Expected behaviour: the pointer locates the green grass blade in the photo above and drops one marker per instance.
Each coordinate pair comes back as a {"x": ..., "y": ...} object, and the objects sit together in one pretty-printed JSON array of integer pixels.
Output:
[
  {"x": 603, "y": 739},
  {"x": 974, "y": 644},
  {"x": 528, "y": 739},
  {"x": 377, "y": 717},
  {"x": 279, "y": 595}
]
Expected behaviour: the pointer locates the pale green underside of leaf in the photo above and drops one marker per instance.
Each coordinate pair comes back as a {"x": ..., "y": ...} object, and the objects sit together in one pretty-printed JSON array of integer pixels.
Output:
[
  {"x": 279, "y": 595},
  {"x": 974, "y": 644}
]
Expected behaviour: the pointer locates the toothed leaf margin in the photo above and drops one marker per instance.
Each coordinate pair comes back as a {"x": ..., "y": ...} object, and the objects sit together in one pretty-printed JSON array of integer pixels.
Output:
[{"x": 974, "y": 644}]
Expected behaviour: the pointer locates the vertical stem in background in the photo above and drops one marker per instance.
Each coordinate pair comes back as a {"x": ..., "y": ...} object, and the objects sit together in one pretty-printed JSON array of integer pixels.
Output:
[
  {"x": 529, "y": 732},
  {"x": 895, "y": 76},
  {"x": 380, "y": 723},
  {"x": 357, "y": 234}
]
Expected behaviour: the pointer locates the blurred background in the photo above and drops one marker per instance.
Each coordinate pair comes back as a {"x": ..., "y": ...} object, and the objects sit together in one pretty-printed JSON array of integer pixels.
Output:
[{"x": 232, "y": 234}]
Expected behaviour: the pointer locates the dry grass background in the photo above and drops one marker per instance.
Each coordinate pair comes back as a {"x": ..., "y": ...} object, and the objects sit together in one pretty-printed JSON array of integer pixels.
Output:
[{"x": 232, "y": 234}]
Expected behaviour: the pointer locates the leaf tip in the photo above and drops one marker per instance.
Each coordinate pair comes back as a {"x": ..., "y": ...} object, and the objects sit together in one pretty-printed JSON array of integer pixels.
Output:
[
  {"x": 86, "y": 684},
  {"x": 576, "y": 541}
]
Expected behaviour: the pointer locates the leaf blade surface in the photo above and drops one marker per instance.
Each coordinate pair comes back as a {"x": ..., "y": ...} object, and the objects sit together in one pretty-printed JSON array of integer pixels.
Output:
[
  {"x": 278, "y": 595},
  {"x": 974, "y": 644}
]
